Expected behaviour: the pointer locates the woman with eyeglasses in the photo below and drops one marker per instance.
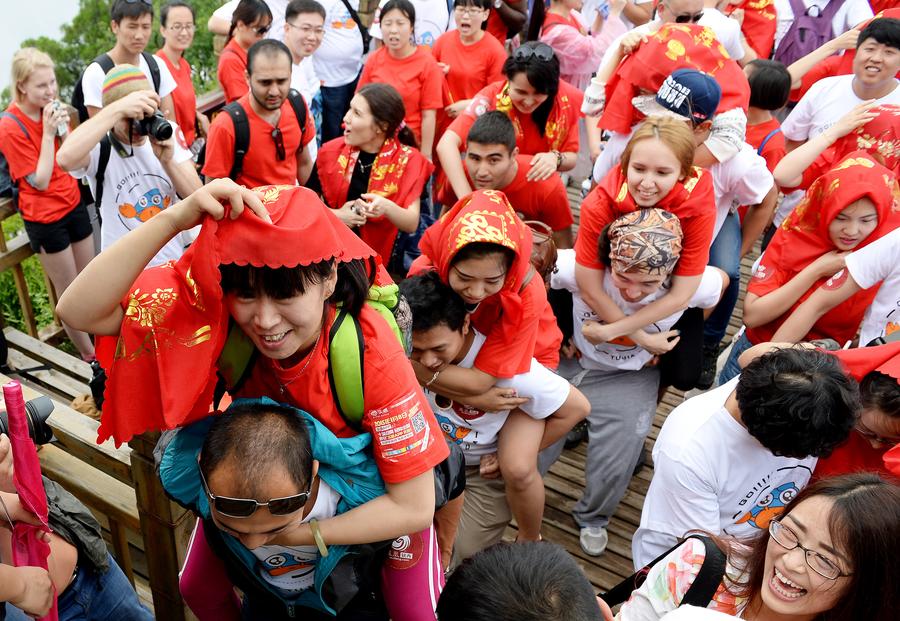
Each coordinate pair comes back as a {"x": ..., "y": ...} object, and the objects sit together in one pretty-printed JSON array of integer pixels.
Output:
[
  {"x": 410, "y": 69},
  {"x": 830, "y": 556},
  {"x": 580, "y": 46},
  {"x": 250, "y": 23},
  {"x": 176, "y": 25},
  {"x": 543, "y": 108},
  {"x": 372, "y": 176}
]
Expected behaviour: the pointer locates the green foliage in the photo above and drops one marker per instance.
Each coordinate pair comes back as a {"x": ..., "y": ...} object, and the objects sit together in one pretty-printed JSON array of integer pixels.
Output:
[
  {"x": 34, "y": 276},
  {"x": 89, "y": 35}
]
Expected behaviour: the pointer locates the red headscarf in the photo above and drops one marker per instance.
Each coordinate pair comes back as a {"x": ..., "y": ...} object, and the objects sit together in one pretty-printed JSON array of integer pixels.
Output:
[
  {"x": 674, "y": 46},
  {"x": 164, "y": 370},
  {"x": 758, "y": 25},
  {"x": 879, "y": 136},
  {"x": 861, "y": 361},
  {"x": 803, "y": 236}
]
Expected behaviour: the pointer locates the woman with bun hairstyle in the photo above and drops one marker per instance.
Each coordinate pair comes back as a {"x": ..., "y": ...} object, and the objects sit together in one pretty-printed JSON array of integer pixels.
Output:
[{"x": 372, "y": 176}]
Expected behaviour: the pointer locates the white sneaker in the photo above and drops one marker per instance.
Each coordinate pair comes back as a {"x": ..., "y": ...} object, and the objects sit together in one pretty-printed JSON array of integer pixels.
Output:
[{"x": 593, "y": 540}]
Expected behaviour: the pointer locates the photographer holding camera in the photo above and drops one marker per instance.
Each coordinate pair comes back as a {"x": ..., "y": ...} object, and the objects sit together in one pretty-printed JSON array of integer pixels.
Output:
[{"x": 128, "y": 155}]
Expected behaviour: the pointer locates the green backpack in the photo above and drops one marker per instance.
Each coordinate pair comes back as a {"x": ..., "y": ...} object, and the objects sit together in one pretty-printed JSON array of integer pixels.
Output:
[{"x": 346, "y": 353}]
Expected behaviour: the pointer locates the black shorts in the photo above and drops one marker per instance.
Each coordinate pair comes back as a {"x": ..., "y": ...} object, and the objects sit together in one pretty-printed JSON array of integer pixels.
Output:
[{"x": 57, "y": 236}]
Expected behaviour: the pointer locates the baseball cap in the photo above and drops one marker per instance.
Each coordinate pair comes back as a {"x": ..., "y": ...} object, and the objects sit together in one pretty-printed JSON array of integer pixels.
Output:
[{"x": 687, "y": 95}]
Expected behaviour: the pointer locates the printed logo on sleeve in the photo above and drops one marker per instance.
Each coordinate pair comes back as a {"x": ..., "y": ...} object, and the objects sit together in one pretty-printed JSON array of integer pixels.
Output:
[{"x": 400, "y": 428}]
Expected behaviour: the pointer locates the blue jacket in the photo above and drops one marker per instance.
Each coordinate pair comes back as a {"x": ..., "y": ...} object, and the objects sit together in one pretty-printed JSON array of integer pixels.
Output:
[{"x": 345, "y": 464}]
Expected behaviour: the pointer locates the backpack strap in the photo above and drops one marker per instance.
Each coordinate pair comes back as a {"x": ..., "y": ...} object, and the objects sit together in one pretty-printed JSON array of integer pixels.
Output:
[
  {"x": 363, "y": 31},
  {"x": 235, "y": 363},
  {"x": 18, "y": 121},
  {"x": 241, "y": 136},
  {"x": 154, "y": 70},
  {"x": 106, "y": 62},
  {"x": 299, "y": 106},
  {"x": 702, "y": 589},
  {"x": 103, "y": 160},
  {"x": 765, "y": 140},
  {"x": 346, "y": 351}
]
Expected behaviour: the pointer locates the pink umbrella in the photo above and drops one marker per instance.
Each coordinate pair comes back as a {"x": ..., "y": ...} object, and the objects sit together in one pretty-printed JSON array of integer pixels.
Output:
[{"x": 28, "y": 547}]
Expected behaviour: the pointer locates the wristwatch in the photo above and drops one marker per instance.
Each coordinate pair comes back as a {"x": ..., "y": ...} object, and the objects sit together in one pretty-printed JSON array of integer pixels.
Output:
[{"x": 498, "y": 4}]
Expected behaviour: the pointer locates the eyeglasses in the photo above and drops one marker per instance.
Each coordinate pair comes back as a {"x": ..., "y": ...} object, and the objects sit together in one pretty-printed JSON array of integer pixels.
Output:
[
  {"x": 870, "y": 435},
  {"x": 689, "y": 18},
  {"x": 181, "y": 27},
  {"x": 262, "y": 30},
  {"x": 306, "y": 30},
  {"x": 541, "y": 51},
  {"x": 787, "y": 539},
  {"x": 464, "y": 9},
  {"x": 279, "y": 144},
  {"x": 245, "y": 507},
  {"x": 147, "y": 2}
]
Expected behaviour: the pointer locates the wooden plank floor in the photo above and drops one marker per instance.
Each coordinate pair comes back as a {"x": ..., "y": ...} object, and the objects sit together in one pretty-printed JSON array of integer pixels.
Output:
[{"x": 565, "y": 482}]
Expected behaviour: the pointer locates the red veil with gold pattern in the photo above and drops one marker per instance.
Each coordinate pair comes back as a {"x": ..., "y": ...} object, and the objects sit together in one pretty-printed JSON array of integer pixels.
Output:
[{"x": 163, "y": 372}]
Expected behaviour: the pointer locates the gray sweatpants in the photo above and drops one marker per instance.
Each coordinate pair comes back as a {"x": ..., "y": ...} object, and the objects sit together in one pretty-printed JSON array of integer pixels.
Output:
[{"x": 623, "y": 404}]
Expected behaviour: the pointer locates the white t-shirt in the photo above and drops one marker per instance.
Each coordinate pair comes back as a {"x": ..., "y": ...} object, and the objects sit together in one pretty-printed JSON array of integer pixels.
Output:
[
  {"x": 340, "y": 56},
  {"x": 92, "y": 81},
  {"x": 277, "y": 7},
  {"x": 307, "y": 83},
  {"x": 850, "y": 14},
  {"x": 879, "y": 262},
  {"x": 476, "y": 431},
  {"x": 432, "y": 20},
  {"x": 821, "y": 107},
  {"x": 622, "y": 353},
  {"x": 134, "y": 189},
  {"x": 742, "y": 180},
  {"x": 292, "y": 569},
  {"x": 710, "y": 474}
]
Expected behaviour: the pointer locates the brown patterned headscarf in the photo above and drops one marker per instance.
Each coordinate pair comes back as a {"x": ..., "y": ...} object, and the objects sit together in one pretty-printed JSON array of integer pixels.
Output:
[{"x": 646, "y": 240}]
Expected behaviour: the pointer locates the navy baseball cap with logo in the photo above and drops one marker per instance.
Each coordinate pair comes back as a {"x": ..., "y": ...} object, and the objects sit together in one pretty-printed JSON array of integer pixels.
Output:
[{"x": 687, "y": 95}]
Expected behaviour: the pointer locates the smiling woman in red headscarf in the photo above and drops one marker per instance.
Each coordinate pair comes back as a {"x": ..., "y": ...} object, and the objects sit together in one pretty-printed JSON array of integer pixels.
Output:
[
  {"x": 275, "y": 278},
  {"x": 867, "y": 127},
  {"x": 846, "y": 209}
]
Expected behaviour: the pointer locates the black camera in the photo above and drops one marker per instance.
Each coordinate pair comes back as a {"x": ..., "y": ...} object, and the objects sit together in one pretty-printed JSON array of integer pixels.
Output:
[
  {"x": 155, "y": 126},
  {"x": 37, "y": 411}
]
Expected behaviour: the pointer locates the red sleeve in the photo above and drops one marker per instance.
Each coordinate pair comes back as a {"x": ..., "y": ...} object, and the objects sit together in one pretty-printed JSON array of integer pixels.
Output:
[
  {"x": 462, "y": 124},
  {"x": 20, "y": 152},
  {"x": 510, "y": 345},
  {"x": 774, "y": 151},
  {"x": 767, "y": 278},
  {"x": 571, "y": 144},
  {"x": 406, "y": 438},
  {"x": 553, "y": 207},
  {"x": 219, "y": 148},
  {"x": 231, "y": 77},
  {"x": 432, "y": 87},
  {"x": 596, "y": 213},
  {"x": 698, "y": 233}
]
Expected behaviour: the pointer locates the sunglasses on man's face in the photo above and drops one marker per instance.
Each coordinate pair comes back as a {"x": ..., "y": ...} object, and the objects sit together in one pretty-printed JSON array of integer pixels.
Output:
[
  {"x": 246, "y": 507},
  {"x": 541, "y": 51},
  {"x": 689, "y": 18},
  {"x": 279, "y": 144}
]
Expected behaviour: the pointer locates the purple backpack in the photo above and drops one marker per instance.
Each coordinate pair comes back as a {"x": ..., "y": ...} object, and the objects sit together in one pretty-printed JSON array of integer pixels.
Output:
[{"x": 807, "y": 32}]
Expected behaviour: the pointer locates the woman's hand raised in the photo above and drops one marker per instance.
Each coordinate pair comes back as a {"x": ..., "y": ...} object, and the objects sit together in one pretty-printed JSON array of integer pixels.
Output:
[{"x": 218, "y": 198}]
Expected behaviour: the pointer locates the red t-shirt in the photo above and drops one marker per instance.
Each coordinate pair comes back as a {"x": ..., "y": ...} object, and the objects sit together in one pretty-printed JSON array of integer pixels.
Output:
[
  {"x": 472, "y": 67},
  {"x": 853, "y": 455},
  {"x": 545, "y": 200},
  {"x": 183, "y": 97},
  {"x": 232, "y": 71},
  {"x": 406, "y": 439},
  {"x": 261, "y": 163},
  {"x": 528, "y": 137},
  {"x": 775, "y": 147},
  {"x": 22, "y": 153},
  {"x": 597, "y": 213},
  {"x": 417, "y": 78}
]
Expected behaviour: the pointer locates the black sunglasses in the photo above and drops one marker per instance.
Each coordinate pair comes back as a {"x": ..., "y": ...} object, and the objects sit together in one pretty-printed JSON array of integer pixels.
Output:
[
  {"x": 689, "y": 18},
  {"x": 279, "y": 144},
  {"x": 541, "y": 51},
  {"x": 147, "y": 2},
  {"x": 262, "y": 30},
  {"x": 245, "y": 507}
]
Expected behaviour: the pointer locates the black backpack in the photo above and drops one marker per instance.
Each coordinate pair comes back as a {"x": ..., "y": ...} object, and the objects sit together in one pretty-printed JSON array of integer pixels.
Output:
[
  {"x": 242, "y": 128},
  {"x": 106, "y": 63},
  {"x": 702, "y": 589},
  {"x": 8, "y": 187}
]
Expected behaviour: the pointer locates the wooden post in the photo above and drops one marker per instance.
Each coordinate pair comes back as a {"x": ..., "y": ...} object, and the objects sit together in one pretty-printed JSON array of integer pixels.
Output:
[{"x": 166, "y": 530}]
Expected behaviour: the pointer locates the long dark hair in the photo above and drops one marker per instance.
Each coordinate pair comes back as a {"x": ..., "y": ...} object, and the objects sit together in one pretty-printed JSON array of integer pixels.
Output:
[
  {"x": 543, "y": 75},
  {"x": 536, "y": 21},
  {"x": 386, "y": 106},
  {"x": 247, "y": 12},
  {"x": 865, "y": 523},
  {"x": 353, "y": 281}
]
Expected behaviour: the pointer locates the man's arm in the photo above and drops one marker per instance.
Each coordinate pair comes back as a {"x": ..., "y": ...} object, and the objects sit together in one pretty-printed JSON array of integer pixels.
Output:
[
  {"x": 304, "y": 165},
  {"x": 757, "y": 219},
  {"x": 805, "y": 316},
  {"x": 513, "y": 14}
]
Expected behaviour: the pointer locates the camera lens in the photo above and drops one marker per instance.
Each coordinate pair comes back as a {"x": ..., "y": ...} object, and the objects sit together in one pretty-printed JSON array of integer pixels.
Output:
[
  {"x": 37, "y": 411},
  {"x": 159, "y": 127}
]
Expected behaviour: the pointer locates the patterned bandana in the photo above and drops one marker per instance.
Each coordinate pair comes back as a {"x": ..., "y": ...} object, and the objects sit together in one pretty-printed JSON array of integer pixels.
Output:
[
  {"x": 879, "y": 136},
  {"x": 646, "y": 241}
]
